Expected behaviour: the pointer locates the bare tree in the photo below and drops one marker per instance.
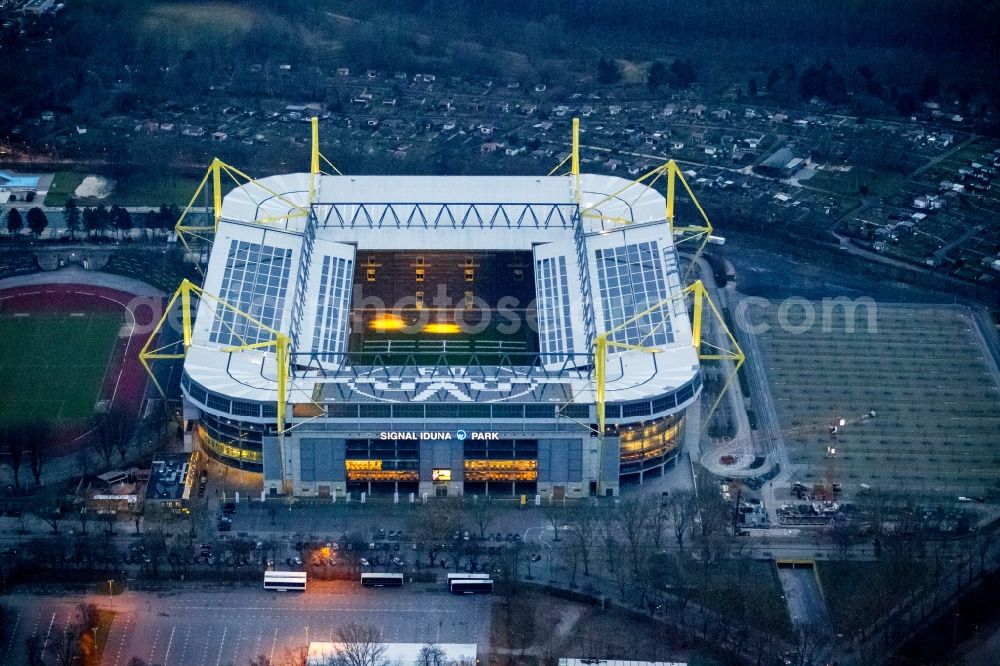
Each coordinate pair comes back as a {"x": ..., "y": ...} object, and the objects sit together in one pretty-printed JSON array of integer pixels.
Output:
[
  {"x": 13, "y": 442},
  {"x": 634, "y": 517},
  {"x": 360, "y": 645},
  {"x": 431, "y": 655},
  {"x": 483, "y": 513},
  {"x": 583, "y": 526},
  {"x": 433, "y": 529},
  {"x": 682, "y": 508},
  {"x": 46, "y": 506},
  {"x": 113, "y": 432},
  {"x": 65, "y": 644},
  {"x": 295, "y": 657},
  {"x": 37, "y": 439},
  {"x": 555, "y": 513},
  {"x": 33, "y": 650}
]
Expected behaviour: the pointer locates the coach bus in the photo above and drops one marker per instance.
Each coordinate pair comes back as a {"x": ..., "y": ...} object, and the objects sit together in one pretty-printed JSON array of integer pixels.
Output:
[
  {"x": 382, "y": 580},
  {"x": 469, "y": 583},
  {"x": 285, "y": 581}
]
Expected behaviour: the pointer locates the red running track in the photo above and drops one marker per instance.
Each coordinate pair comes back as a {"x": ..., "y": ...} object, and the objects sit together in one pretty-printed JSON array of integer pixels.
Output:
[{"x": 125, "y": 379}]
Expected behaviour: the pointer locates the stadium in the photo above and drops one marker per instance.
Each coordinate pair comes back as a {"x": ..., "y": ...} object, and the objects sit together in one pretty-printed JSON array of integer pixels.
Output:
[{"x": 500, "y": 335}]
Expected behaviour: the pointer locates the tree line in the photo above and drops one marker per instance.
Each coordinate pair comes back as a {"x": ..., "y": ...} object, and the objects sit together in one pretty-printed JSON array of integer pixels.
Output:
[{"x": 94, "y": 220}]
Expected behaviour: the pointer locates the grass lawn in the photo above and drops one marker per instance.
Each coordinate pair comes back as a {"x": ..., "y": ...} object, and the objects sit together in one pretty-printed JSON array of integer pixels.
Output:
[
  {"x": 139, "y": 188},
  {"x": 53, "y": 365},
  {"x": 746, "y": 590},
  {"x": 144, "y": 188},
  {"x": 848, "y": 183},
  {"x": 189, "y": 24},
  {"x": 848, "y": 586},
  {"x": 64, "y": 183}
]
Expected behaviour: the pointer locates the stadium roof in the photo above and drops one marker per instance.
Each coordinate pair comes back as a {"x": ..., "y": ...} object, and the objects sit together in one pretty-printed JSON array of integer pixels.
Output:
[
  {"x": 398, "y": 654},
  {"x": 294, "y": 273}
]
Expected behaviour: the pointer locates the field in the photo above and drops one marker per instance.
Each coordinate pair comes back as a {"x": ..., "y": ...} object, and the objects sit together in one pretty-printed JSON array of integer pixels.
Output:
[
  {"x": 64, "y": 183},
  {"x": 745, "y": 590},
  {"x": 53, "y": 365},
  {"x": 922, "y": 370},
  {"x": 139, "y": 188},
  {"x": 188, "y": 25},
  {"x": 847, "y": 589}
]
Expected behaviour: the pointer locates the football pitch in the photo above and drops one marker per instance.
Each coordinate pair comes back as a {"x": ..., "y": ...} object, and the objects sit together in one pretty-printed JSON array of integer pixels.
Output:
[{"x": 53, "y": 365}]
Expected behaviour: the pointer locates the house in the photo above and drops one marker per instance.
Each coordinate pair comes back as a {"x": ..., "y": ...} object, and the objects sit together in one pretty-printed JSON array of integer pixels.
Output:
[
  {"x": 343, "y": 71},
  {"x": 540, "y": 87},
  {"x": 677, "y": 145},
  {"x": 511, "y": 152},
  {"x": 490, "y": 147},
  {"x": 48, "y": 116},
  {"x": 614, "y": 109},
  {"x": 219, "y": 136},
  {"x": 782, "y": 163},
  {"x": 170, "y": 482},
  {"x": 400, "y": 654}
]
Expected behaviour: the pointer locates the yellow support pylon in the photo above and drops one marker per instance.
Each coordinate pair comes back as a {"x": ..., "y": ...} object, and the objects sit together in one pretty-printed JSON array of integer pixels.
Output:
[
  {"x": 314, "y": 161},
  {"x": 575, "y": 163},
  {"x": 280, "y": 342},
  {"x": 602, "y": 344}
]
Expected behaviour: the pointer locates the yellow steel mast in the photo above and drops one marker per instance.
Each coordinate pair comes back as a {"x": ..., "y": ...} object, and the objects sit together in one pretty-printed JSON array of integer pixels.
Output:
[{"x": 280, "y": 342}]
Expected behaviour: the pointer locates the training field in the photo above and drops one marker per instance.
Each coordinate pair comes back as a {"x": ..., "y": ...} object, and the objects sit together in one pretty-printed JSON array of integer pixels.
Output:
[
  {"x": 924, "y": 373},
  {"x": 53, "y": 365}
]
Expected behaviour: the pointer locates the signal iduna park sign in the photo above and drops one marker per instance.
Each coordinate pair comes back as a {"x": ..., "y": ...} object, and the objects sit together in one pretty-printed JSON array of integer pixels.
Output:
[{"x": 457, "y": 435}]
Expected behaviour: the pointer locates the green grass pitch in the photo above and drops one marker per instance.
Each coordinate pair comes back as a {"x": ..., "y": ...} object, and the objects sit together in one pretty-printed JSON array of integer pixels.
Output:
[{"x": 53, "y": 366}]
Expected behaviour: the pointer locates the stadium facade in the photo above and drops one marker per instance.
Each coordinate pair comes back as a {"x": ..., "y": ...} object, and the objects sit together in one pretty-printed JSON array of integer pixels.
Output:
[{"x": 442, "y": 334}]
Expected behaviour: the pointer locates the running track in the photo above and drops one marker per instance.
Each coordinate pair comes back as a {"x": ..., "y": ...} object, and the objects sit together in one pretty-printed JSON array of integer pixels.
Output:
[{"x": 125, "y": 379}]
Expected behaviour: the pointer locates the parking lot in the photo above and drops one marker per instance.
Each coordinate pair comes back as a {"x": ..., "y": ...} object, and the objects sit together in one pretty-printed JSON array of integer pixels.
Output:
[
  {"x": 231, "y": 627},
  {"x": 922, "y": 370}
]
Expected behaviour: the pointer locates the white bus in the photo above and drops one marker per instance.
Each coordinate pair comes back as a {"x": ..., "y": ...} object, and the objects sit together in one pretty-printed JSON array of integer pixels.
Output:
[
  {"x": 469, "y": 583},
  {"x": 382, "y": 580},
  {"x": 285, "y": 581}
]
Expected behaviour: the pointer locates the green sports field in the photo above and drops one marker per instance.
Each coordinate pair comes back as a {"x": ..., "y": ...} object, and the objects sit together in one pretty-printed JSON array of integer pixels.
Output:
[{"x": 53, "y": 366}]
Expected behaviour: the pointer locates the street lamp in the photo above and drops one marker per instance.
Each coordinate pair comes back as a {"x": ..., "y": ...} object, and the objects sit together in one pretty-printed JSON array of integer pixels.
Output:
[{"x": 111, "y": 594}]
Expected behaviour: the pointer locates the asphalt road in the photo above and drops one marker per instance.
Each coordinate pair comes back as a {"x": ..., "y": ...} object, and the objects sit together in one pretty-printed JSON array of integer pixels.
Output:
[
  {"x": 805, "y": 601},
  {"x": 231, "y": 627}
]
